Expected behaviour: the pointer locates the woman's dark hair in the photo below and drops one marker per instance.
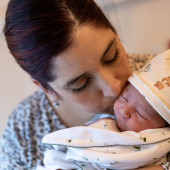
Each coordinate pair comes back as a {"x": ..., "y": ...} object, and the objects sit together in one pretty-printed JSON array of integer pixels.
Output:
[{"x": 38, "y": 30}]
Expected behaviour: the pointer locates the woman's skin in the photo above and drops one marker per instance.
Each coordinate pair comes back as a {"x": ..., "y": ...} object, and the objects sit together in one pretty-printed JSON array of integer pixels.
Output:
[{"x": 90, "y": 75}]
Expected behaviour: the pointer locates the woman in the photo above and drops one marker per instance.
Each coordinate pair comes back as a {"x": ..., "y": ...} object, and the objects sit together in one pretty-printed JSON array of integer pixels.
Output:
[{"x": 73, "y": 54}]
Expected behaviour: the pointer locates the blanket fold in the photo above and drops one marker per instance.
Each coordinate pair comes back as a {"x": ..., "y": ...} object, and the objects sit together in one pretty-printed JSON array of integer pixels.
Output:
[{"x": 103, "y": 145}]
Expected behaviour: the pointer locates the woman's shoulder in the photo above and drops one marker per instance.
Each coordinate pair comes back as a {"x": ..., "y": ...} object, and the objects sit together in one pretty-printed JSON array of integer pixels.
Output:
[
  {"x": 35, "y": 110},
  {"x": 34, "y": 103},
  {"x": 32, "y": 119},
  {"x": 34, "y": 100},
  {"x": 137, "y": 61}
]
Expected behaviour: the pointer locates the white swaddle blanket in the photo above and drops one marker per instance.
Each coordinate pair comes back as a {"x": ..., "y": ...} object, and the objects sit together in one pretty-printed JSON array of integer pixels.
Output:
[{"x": 101, "y": 146}]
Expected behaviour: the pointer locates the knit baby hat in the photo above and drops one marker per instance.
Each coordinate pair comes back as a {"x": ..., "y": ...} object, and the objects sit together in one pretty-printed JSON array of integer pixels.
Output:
[{"x": 153, "y": 82}]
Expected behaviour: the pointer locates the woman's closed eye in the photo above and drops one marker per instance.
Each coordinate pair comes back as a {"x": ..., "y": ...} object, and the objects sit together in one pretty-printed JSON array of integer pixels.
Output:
[
  {"x": 113, "y": 60},
  {"x": 80, "y": 89}
]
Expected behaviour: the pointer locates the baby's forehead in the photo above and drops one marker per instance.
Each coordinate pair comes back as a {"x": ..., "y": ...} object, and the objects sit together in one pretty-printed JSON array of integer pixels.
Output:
[
  {"x": 140, "y": 100},
  {"x": 130, "y": 89}
]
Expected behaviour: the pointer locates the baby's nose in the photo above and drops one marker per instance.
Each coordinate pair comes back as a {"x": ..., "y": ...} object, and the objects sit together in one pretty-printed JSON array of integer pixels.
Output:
[{"x": 124, "y": 111}]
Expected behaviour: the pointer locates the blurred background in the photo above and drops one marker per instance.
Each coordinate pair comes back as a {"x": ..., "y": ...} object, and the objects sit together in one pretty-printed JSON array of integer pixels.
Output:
[{"x": 143, "y": 27}]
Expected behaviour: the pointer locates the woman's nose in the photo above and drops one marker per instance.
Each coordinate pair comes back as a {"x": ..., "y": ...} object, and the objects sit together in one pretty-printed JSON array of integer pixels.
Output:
[{"x": 111, "y": 86}]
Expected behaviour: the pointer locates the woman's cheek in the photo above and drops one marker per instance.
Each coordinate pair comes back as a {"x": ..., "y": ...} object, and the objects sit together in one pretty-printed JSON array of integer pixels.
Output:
[{"x": 88, "y": 102}]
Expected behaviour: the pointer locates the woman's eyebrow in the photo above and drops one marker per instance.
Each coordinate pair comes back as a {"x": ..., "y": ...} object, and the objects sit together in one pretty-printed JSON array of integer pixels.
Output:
[
  {"x": 72, "y": 81},
  {"x": 108, "y": 47}
]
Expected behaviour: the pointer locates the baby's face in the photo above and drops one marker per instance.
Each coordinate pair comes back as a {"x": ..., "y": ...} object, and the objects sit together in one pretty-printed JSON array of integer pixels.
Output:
[{"x": 134, "y": 113}]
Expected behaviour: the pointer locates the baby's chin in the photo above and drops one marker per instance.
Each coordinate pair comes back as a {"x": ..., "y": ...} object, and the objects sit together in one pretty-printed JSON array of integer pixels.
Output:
[
  {"x": 121, "y": 127},
  {"x": 124, "y": 127}
]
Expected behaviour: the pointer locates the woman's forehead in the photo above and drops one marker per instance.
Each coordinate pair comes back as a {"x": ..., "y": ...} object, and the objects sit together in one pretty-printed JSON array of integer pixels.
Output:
[
  {"x": 89, "y": 39},
  {"x": 88, "y": 46}
]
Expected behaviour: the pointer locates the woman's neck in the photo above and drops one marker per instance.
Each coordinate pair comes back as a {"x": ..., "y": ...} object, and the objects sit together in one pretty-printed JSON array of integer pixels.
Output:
[{"x": 71, "y": 116}]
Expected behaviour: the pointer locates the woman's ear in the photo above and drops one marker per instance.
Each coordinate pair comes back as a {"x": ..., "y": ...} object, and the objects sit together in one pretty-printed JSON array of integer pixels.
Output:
[{"x": 52, "y": 95}]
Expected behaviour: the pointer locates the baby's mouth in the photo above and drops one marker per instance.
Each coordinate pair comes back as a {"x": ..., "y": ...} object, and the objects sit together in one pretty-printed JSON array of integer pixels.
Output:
[{"x": 119, "y": 125}]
